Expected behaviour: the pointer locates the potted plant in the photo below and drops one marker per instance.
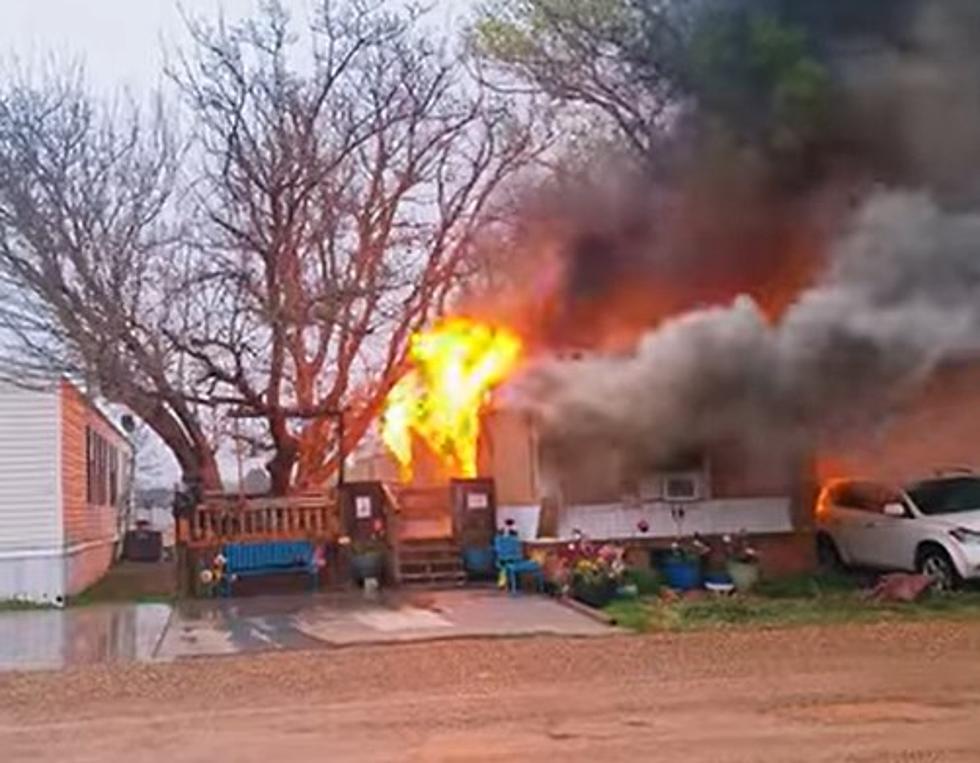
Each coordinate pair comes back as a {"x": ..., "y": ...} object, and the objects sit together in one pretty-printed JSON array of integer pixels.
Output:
[
  {"x": 743, "y": 562},
  {"x": 597, "y": 574},
  {"x": 368, "y": 554},
  {"x": 682, "y": 565}
]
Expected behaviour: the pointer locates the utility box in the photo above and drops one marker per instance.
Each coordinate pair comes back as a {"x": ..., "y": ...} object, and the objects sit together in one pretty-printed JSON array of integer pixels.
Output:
[
  {"x": 143, "y": 545},
  {"x": 363, "y": 510}
]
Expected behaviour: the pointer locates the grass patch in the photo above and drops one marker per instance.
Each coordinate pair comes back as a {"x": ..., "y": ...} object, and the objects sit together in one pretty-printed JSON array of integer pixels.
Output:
[
  {"x": 807, "y": 586},
  {"x": 633, "y": 614},
  {"x": 13, "y": 605},
  {"x": 131, "y": 583},
  {"x": 817, "y": 603},
  {"x": 647, "y": 582}
]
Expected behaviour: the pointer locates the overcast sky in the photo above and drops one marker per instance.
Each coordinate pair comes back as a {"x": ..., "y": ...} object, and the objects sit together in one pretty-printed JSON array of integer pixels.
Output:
[{"x": 120, "y": 40}]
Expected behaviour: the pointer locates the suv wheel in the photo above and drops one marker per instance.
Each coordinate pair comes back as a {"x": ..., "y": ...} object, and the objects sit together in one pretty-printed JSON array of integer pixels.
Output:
[{"x": 935, "y": 563}]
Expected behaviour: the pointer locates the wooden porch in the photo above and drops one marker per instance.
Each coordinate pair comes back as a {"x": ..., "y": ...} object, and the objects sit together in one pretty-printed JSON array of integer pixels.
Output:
[
  {"x": 423, "y": 528},
  {"x": 231, "y": 519}
]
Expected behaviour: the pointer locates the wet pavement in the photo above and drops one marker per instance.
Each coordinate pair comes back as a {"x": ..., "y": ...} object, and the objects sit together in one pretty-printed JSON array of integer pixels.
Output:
[
  {"x": 152, "y": 632},
  {"x": 53, "y": 638}
]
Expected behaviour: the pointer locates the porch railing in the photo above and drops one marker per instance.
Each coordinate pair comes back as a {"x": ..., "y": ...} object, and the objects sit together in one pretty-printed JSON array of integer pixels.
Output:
[{"x": 219, "y": 520}]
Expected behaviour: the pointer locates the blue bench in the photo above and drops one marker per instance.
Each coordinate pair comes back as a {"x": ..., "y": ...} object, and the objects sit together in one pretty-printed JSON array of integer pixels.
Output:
[{"x": 270, "y": 558}]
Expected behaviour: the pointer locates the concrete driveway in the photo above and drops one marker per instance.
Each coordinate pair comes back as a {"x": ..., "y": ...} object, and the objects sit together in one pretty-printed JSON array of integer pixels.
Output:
[{"x": 157, "y": 632}]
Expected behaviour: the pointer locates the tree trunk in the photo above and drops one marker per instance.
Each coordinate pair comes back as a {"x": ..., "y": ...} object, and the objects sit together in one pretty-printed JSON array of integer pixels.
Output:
[{"x": 280, "y": 469}]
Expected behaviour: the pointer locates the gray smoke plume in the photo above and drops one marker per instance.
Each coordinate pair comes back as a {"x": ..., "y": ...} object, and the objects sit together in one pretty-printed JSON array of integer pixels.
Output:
[
  {"x": 897, "y": 291},
  {"x": 900, "y": 297}
]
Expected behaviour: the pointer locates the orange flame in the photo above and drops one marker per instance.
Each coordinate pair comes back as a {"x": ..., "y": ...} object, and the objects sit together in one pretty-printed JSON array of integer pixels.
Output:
[{"x": 455, "y": 364}]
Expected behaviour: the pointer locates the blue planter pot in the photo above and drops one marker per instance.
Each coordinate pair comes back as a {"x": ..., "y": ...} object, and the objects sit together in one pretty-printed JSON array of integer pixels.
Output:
[
  {"x": 478, "y": 560},
  {"x": 682, "y": 574}
]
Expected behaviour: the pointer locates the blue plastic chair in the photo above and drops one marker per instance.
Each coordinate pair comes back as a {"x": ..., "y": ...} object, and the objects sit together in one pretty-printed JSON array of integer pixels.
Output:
[{"x": 510, "y": 559}]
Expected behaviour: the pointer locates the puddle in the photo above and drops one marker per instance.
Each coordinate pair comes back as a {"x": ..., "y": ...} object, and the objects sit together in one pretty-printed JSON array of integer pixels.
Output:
[{"x": 81, "y": 636}]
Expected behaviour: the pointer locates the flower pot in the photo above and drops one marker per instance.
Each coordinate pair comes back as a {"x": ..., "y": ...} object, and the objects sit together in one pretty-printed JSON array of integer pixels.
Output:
[
  {"x": 368, "y": 564},
  {"x": 744, "y": 575},
  {"x": 478, "y": 560},
  {"x": 682, "y": 574},
  {"x": 594, "y": 593}
]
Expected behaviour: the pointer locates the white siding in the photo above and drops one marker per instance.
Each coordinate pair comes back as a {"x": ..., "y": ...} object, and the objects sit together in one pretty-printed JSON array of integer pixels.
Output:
[
  {"x": 711, "y": 517},
  {"x": 31, "y": 532},
  {"x": 29, "y": 486}
]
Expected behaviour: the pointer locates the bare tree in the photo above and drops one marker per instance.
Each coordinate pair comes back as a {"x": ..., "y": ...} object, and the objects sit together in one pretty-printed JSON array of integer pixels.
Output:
[
  {"x": 85, "y": 244},
  {"x": 340, "y": 186}
]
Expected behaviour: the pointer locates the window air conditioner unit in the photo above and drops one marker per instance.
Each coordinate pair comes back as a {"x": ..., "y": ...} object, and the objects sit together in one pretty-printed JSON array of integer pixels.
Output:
[{"x": 683, "y": 486}]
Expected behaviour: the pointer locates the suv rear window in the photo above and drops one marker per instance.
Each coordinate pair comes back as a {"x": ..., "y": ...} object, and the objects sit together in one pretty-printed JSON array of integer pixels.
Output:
[{"x": 946, "y": 496}]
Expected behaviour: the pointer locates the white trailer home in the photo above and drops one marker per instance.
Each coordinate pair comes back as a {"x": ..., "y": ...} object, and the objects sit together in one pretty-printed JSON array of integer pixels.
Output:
[{"x": 64, "y": 479}]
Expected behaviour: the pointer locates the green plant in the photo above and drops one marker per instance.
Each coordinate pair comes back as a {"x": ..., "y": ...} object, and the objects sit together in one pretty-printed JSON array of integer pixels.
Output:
[
  {"x": 599, "y": 566},
  {"x": 738, "y": 549},
  {"x": 647, "y": 582},
  {"x": 371, "y": 545},
  {"x": 375, "y": 542},
  {"x": 691, "y": 549}
]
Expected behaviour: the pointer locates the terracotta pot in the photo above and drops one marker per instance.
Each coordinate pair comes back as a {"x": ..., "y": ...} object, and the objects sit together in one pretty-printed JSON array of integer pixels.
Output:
[{"x": 744, "y": 575}]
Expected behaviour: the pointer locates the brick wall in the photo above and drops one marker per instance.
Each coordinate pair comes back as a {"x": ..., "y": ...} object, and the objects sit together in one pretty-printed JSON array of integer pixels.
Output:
[{"x": 780, "y": 554}]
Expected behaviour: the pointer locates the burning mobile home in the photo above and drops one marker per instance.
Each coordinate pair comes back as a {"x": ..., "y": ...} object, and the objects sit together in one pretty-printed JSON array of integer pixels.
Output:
[
  {"x": 552, "y": 488},
  {"x": 745, "y": 315},
  {"x": 709, "y": 424}
]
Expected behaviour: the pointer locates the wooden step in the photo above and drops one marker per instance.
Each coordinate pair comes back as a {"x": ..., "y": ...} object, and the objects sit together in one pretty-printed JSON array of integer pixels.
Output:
[
  {"x": 430, "y": 558},
  {"x": 440, "y": 579},
  {"x": 430, "y": 562}
]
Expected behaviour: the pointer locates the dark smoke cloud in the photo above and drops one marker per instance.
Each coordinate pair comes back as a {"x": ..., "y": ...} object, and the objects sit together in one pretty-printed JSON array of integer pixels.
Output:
[
  {"x": 901, "y": 296},
  {"x": 717, "y": 217},
  {"x": 889, "y": 224}
]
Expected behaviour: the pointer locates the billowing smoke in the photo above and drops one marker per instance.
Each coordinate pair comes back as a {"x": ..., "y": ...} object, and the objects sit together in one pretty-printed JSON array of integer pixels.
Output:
[
  {"x": 886, "y": 212},
  {"x": 901, "y": 296}
]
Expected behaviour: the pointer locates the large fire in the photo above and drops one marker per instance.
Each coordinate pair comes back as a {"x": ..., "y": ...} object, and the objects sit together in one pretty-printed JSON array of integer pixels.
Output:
[{"x": 454, "y": 365}]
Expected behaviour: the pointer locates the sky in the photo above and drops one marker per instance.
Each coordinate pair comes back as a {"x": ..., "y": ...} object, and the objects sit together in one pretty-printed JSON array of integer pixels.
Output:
[
  {"x": 121, "y": 41},
  {"x": 121, "y": 44}
]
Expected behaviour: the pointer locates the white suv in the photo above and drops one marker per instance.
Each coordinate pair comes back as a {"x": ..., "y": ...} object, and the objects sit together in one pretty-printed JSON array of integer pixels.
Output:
[{"x": 932, "y": 526}]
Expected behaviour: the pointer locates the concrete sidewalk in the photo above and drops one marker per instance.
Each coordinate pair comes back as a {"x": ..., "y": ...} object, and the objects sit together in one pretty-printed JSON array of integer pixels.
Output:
[
  {"x": 148, "y": 632},
  {"x": 246, "y": 625}
]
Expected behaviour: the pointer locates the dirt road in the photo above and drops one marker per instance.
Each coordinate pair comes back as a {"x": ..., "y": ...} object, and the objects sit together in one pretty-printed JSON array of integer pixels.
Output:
[{"x": 863, "y": 694}]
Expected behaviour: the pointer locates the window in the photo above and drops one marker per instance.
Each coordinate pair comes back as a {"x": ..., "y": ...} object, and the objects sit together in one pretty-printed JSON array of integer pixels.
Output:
[
  {"x": 863, "y": 496},
  {"x": 947, "y": 496},
  {"x": 101, "y": 470}
]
